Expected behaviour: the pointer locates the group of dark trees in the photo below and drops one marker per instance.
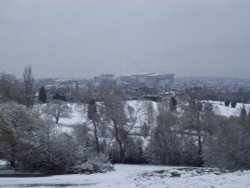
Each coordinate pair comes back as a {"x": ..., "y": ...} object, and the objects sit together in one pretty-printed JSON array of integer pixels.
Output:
[
  {"x": 177, "y": 132},
  {"x": 233, "y": 103}
]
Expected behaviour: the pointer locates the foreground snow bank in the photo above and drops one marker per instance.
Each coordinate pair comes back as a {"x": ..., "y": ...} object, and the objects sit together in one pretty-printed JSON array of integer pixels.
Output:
[
  {"x": 142, "y": 176},
  {"x": 194, "y": 177}
]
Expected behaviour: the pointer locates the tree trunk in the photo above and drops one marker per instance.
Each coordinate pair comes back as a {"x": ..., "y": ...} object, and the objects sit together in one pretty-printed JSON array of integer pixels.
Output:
[
  {"x": 13, "y": 163},
  {"x": 96, "y": 137},
  {"x": 200, "y": 160},
  {"x": 122, "y": 153}
]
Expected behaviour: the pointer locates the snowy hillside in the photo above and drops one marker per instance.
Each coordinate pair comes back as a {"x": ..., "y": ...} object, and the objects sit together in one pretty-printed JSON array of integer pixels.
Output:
[
  {"x": 221, "y": 109},
  {"x": 140, "y": 107},
  {"x": 79, "y": 113},
  {"x": 142, "y": 176}
]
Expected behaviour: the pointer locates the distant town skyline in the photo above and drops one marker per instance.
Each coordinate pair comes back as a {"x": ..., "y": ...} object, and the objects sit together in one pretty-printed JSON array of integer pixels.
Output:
[{"x": 83, "y": 38}]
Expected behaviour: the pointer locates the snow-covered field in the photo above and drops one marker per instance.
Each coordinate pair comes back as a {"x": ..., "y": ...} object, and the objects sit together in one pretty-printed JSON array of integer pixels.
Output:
[
  {"x": 142, "y": 176},
  {"x": 79, "y": 115},
  {"x": 221, "y": 109}
]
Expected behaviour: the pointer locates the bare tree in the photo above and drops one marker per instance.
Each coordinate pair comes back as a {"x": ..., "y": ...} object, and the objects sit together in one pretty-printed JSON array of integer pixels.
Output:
[
  {"x": 198, "y": 121},
  {"x": 28, "y": 80},
  {"x": 58, "y": 109},
  {"x": 165, "y": 145},
  {"x": 192, "y": 123},
  {"x": 229, "y": 146},
  {"x": 121, "y": 118},
  {"x": 150, "y": 113},
  {"x": 94, "y": 117}
]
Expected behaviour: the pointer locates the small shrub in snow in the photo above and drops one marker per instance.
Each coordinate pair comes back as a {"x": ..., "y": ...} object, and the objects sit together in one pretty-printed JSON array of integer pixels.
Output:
[
  {"x": 99, "y": 164},
  {"x": 160, "y": 171},
  {"x": 175, "y": 174}
]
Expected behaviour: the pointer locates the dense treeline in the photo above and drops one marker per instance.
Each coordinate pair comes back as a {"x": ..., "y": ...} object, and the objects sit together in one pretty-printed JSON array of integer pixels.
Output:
[{"x": 176, "y": 133}]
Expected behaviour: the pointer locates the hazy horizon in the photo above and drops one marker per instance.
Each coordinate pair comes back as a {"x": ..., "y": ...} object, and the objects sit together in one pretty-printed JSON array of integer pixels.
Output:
[{"x": 84, "y": 38}]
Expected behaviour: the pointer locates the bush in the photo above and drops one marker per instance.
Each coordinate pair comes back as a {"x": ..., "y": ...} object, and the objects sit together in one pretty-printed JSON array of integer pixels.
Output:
[
  {"x": 99, "y": 164},
  {"x": 175, "y": 174}
]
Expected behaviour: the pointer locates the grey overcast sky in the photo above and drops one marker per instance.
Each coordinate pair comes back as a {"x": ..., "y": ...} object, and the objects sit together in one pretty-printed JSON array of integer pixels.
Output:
[{"x": 84, "y": 38}]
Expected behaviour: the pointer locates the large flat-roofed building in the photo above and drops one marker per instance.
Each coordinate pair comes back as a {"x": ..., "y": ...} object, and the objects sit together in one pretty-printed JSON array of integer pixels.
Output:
[
  {"x": 105, "y": 80},
  {"x": 159, "y": 80},
  {"x": 150, "y": 80}
]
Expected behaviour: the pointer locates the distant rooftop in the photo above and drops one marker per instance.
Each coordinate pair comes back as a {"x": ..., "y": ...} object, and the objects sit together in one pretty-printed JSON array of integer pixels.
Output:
[{"x": 147, "y": 74}]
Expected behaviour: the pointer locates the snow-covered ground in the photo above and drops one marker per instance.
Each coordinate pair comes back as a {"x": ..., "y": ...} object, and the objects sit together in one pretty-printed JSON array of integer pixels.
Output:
[
  {"x": 79, "y": 116},
  {"x": 79, "y": 113},
  {"x": 221, "y": 109},
  {"x": 142, "y": 176}
]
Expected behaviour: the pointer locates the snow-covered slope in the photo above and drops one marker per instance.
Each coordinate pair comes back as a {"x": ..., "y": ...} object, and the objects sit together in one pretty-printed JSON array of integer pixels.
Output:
[
  {"x": 221, "y": 109},
  {"x": 142, "y": 176},
  {"x": 79, "y": 114}
]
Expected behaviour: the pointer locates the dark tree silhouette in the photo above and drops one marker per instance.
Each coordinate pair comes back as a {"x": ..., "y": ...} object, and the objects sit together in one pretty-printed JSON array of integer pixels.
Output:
[
  {"x": 233, "y": 103},
  {"x": 172, "y": 104},
  {"x": 42, "y": 95},
  {"x": 227, "y": 102}
]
